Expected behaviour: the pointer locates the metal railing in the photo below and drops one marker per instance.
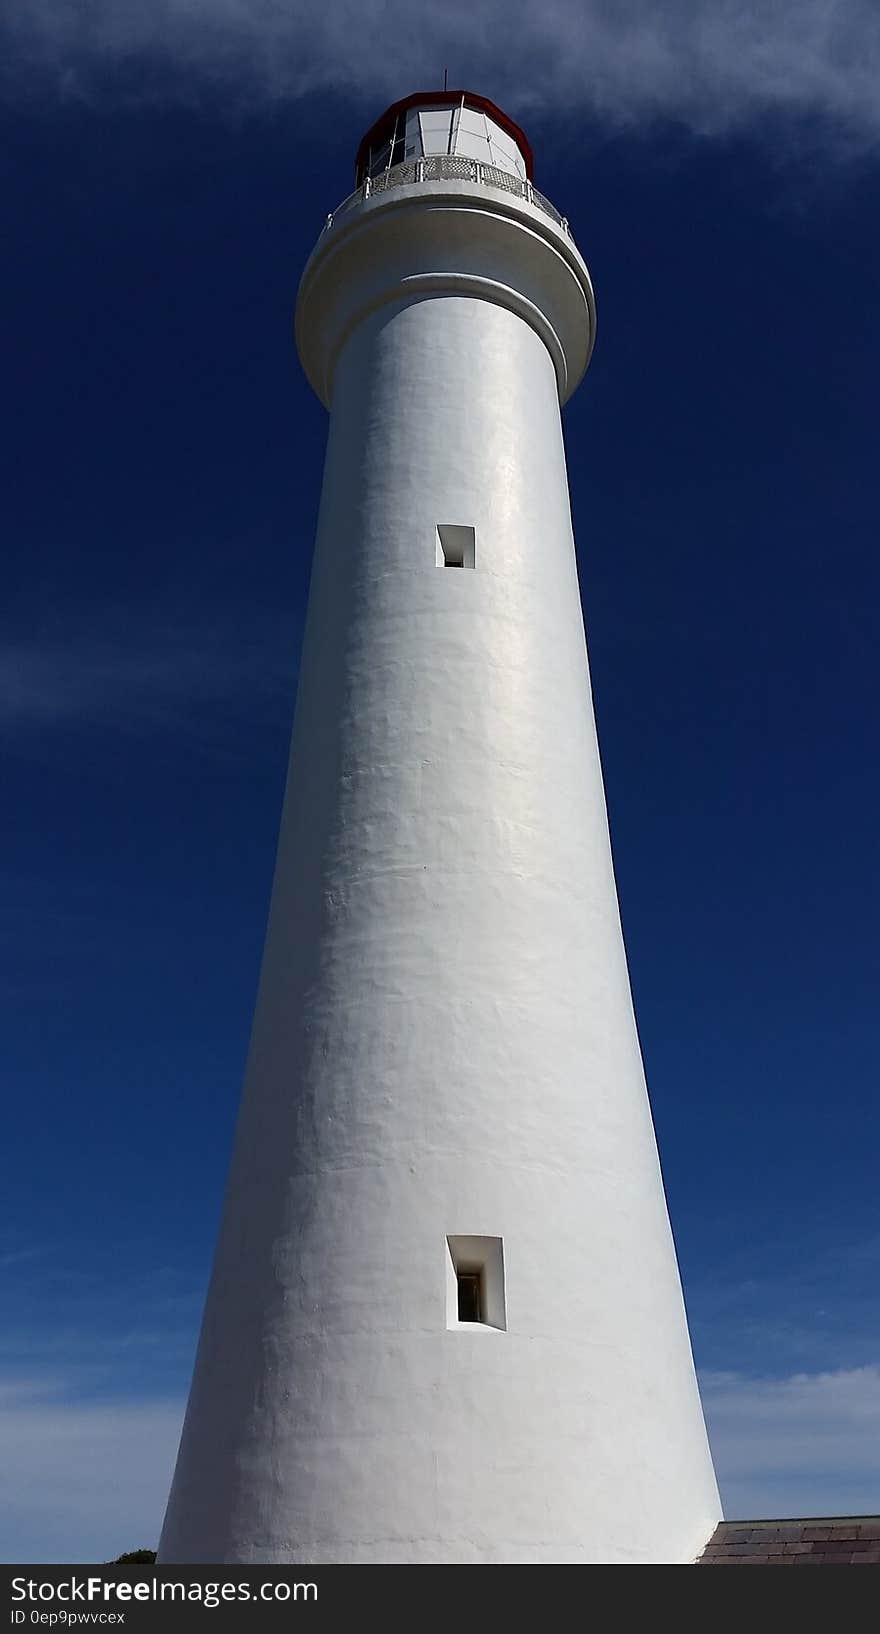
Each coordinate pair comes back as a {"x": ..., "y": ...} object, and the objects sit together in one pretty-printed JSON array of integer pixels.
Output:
[{"x": 448, "y": 167}]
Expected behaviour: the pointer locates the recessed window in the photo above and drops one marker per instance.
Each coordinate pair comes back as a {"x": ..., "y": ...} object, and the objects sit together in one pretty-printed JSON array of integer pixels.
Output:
[
  {"x": 475, "y": 1291},
  {"x": 470, "y": 1296},
  {"x": 456, "y": 545}
]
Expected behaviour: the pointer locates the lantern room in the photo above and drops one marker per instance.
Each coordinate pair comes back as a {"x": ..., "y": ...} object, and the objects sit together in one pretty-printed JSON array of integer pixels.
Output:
[{"x": 456, "y": 123}]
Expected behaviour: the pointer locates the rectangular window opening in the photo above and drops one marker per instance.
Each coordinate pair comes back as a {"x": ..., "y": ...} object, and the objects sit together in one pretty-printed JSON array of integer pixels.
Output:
[
  {"x": 456, "y": 545},
  {"x": 475, "y": 1288},
  {"x": 470, "y": 1296}
]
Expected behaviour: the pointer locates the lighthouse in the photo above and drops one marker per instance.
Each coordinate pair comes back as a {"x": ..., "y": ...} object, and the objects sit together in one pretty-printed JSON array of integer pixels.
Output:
[{"x": 445, "y": 1321}]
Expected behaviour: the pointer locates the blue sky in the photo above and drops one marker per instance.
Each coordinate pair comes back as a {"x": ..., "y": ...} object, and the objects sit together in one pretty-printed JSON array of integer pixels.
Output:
[{"x": 166, "y": 171}]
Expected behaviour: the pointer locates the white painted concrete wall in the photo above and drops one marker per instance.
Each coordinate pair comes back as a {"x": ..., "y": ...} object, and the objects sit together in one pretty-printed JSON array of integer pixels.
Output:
[{"x": 444, "y": 1041}]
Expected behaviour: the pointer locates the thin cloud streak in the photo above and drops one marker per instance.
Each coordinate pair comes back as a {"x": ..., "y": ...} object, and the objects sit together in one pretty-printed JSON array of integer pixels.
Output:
[
  {"x": 155, "y": 682},
  {"x": 84, "y": 1479},
  {"x": 714, "y": 66},
  {"x": 802, "y": 1445}
]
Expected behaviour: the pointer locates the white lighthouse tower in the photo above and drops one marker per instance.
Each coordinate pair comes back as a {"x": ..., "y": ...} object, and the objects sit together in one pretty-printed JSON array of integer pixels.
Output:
[{"x": 445, "y": 1322}]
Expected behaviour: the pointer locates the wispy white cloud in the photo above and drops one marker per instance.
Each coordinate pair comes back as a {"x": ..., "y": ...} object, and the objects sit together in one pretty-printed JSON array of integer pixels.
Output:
[
  {"x": 82, "y": 1481},
  {"x": 714, "y": 65},
  {"x": 146, "y": 680},
  {"x": 19, "y": 1256},
  {"x": 802, "y": 1445},
  {"x": 94, "y": 1361}
]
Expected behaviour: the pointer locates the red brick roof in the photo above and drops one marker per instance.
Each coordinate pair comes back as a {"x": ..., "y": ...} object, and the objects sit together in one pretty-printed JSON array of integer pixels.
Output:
[{"x": 841, "y": 1540}]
